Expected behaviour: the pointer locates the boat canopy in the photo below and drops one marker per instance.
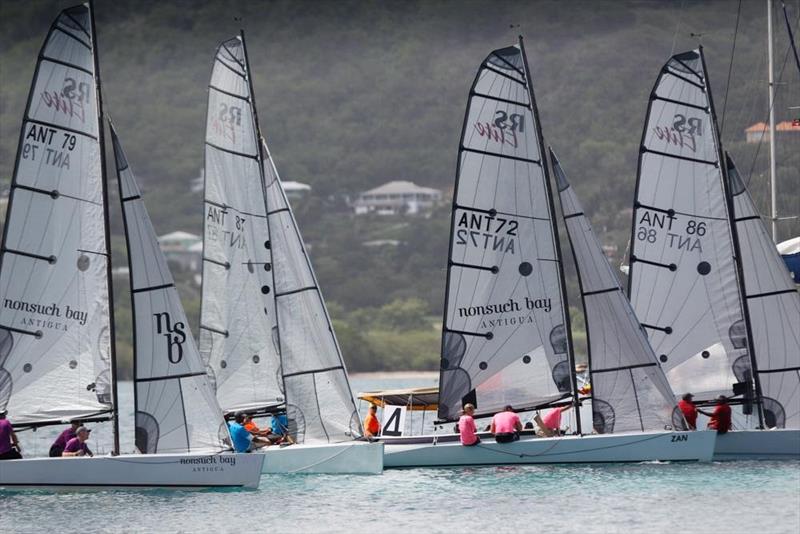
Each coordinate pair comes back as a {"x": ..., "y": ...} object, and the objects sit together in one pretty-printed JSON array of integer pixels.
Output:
[{"x": 415, "y": 399}]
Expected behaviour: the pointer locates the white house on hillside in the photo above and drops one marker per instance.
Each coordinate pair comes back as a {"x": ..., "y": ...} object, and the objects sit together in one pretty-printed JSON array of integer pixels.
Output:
[
  {"x": 396, "y": 198},
  {"x": 183, "y": 248}
]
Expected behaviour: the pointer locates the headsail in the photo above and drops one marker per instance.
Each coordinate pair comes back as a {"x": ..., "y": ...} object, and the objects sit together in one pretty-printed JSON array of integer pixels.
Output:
[
  {"x": 319, "y": 400},
  {"x": 176, "y": 411},
  {"x": 55, "y": 316},
  {"x": 683, "y": 281},
  {"x": 774, "y": 308},
  {"x": 505, "y": 334},
  {"x": 238, "y": 332},
  {"x": 629, "y": 389}
]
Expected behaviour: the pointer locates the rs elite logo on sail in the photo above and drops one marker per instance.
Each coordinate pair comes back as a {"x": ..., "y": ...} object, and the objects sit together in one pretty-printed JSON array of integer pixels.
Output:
[
  {"x": 227, "y": 121},
  {"x": 683, "y": 133},
  {"x": 174, "y": 333},
  {"x": 503, "y": 129}
]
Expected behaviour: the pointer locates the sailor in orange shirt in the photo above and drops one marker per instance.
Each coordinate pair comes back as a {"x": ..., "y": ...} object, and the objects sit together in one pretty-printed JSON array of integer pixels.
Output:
[
  {"x": 371, "y": 425},
  {"x": 260, "y": 437}
]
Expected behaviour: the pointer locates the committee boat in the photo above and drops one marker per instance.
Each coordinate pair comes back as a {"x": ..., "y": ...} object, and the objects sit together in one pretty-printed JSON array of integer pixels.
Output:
[
  {"x": 57, "y": 362},
  {"x": 705, "y": 279},
  {"x": 265, "y": 332},
  {"x": 506, "y": 335}
]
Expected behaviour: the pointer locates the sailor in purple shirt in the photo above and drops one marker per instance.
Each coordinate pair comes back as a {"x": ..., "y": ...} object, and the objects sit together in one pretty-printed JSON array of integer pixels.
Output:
[
  {"x": 9, "y": 446},
  {"x": 77, "y": 445},
  {"x": 61, "y": 441}
]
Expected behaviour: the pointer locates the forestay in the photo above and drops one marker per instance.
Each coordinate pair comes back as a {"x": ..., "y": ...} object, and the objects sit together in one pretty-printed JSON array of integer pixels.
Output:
[
  {"x": 683, "y": 279},
  {"x": 176, "y": 411},
  {"x": 774, "y": 308},
  {"x": 55, "y": 318},
  {"x": 629, "y": 389},
  {"x": 238, "y": 332},
  {"x": 504, "y": 323},
  {"x": 320, "y": 404}
]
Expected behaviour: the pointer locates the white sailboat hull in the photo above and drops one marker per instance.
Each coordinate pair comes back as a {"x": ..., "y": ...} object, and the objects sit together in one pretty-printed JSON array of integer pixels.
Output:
[
  {"x": 604, "y": 448},
  {"x": 179, "y": 471},
  {"x": 783, "y": 444},
  {"x": 358, "y": 457}
]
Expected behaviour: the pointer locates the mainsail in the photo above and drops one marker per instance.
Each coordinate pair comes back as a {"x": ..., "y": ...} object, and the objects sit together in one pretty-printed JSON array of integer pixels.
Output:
[
  {"x": 176, "y": 411},
  {"x": 56, "y": 318},
  {"x": 506, "y": 334},
  {"x": 774, "y": 309},
  {"x": 238, "y": 331},
  {"x": 683, "y": 281},
  {"x": 320, "y": 403},
  {"x": 629, "y": 390}
]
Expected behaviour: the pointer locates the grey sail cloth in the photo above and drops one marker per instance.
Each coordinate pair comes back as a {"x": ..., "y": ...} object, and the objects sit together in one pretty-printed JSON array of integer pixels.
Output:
[
  {"x": 320, "y": 404},
  {"x": 238, "y": 332},
  {"x": 504, "y": 333},
  {"x": 774, "y": 309},
  {"x": 176, "y": 410},
  {"x": 683, "y": 282},
  {"x": 55, "y": 318},
  {"x": 629, "y": 389}
]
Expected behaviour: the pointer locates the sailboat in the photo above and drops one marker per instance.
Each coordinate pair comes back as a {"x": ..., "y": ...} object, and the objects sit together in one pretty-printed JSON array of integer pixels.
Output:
[
  {"x": 506, "y": 335},
  {"x": 57, "y": 322},
  {"x": 266, "y": 332},
  {"x": 702, "y": 279}
]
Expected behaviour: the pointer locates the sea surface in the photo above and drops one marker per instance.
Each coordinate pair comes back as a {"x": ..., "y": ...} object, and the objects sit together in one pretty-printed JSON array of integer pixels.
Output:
[{"x": 746, "y": 497}]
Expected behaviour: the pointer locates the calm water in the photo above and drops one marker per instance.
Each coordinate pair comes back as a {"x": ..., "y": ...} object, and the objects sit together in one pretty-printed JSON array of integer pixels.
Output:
[{"x": 747, "y": 497}]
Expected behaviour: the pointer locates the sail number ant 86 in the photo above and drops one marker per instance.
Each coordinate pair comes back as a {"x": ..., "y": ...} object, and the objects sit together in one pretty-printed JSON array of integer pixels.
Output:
[{"x": 682, "y": 233}]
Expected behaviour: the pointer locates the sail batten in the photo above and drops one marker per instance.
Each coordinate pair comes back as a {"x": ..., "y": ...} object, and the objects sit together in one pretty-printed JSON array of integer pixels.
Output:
[
  {"x": 629, "y": 390},
  {"x": 238, "y": 339},
  {"x": 505, "y": 338},
  {"x": 55, "y": 314}
]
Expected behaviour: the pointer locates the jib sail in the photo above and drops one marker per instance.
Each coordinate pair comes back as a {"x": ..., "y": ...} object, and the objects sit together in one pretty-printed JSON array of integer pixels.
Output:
[
  {"x": 55, "y": 316},
  {"x": 774, "y": 308},
  {"x": 176, "y": 411},
  {"x": 320, "y": 404},
  {"x": 629, "y": 389}
]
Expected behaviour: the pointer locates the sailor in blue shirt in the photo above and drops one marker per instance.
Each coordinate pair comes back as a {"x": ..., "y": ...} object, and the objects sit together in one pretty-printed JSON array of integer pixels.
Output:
[
  {"x": 279, "y": 424},
  {"x": 239, "y": 434}
]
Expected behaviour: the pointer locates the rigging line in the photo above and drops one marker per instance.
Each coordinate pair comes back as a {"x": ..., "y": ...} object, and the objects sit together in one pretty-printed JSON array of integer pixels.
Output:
[
  {"x": 791, "y": 35},
  {"x": 677, "y": 29},
  {"x": 730, "y": 71}
]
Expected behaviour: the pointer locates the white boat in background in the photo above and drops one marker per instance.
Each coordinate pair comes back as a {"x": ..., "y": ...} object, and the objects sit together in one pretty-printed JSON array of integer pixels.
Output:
[
  {"x": 56, "y": 260},
  {"x": 706, "y": 279},
  {"x": 506, "y": 335},
  {"x": 266, "y": 334}
]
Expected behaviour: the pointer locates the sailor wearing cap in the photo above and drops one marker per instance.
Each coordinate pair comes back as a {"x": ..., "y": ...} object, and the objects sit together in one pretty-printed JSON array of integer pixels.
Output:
[{"x": 77, "y": 445}]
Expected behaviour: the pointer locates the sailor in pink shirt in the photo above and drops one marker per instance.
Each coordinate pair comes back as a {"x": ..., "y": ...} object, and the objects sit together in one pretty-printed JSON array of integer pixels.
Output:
[
  {"x": 506, "y": 426},
  {"x": 552, "y": 419},
  {"x": 467, "y": 428}
]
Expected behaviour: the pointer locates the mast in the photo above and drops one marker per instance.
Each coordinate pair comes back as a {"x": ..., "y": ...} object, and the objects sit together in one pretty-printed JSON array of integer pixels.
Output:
[
  {"x": 260, "y": 145},
  {"x": 737, "y": 260},
  {"x": 104, "y": 182},
  {"x": 563, "y": 285},
  {"x": 771, "y": 89}
]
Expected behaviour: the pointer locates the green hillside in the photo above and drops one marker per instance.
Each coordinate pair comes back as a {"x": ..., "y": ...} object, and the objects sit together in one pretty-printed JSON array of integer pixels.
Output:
[{"x": 352, "y": 94}]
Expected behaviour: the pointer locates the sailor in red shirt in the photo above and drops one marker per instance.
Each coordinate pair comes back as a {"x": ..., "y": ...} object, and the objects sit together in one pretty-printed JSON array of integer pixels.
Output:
[
  {"x": 689, "y": 410},
  {"x": 721, "y": 417}
]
